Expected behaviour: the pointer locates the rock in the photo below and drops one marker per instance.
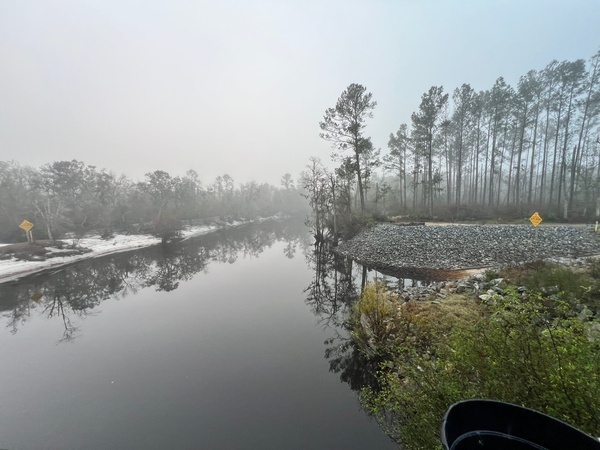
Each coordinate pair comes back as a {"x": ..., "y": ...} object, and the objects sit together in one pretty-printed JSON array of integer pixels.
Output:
[
  {"x": 592, "y": 331},
  {"x": 585, "y": 314},
  {"x": 546, "y": 290},
  {"x": 457, "y": 246},
  {"x": 462, "y": 287}
]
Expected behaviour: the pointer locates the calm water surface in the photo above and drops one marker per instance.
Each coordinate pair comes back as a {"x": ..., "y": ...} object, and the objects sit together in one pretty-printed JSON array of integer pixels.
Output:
[{"x": 217, "y": 343}]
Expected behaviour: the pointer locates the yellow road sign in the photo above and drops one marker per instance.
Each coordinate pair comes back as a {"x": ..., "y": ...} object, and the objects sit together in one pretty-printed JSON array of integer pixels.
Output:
[
  {"x": 26, "y": 225},
  {"x": 535, "y": 219}
]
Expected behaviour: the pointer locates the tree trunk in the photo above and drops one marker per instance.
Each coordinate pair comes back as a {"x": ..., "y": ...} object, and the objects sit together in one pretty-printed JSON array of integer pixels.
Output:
[
  {"x": 518, "y": 172},
  {"x": 360, "y": 184},
  {"x": 492, "y": 166},
  {"x": 557, "y": 132},
  {"x": 578, "y": 149},
  {"x": 404, "y": 179},
  {"x": 485, "y": 167},
  {"x": 535, "y": 127},
  {"x": 545, "y": 158},
  {"x": 563, "y": 169}
]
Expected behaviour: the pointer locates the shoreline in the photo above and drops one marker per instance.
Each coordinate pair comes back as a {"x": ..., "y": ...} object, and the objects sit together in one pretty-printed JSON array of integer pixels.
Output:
[
  {"x": 453, "y": 251},
  {"x": 12, "y": 270}
]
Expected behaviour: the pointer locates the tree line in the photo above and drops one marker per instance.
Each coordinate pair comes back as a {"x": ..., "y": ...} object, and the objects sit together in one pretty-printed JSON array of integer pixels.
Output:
[
  {"x": 501, "y": 151},
  {"x": 73, "y": 197}
]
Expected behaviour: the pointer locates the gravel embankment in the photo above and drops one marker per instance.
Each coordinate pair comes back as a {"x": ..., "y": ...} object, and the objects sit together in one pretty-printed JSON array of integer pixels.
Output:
[{"x": 453, "y": 247}]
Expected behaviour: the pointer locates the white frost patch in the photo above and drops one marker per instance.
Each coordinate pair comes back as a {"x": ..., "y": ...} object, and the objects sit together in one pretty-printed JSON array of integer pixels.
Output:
[{"x": 191, "y": 232}]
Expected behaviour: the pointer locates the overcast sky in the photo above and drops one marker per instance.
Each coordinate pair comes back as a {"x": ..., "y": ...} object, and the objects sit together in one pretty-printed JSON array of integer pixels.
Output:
[{"x": 239, "y": 87}]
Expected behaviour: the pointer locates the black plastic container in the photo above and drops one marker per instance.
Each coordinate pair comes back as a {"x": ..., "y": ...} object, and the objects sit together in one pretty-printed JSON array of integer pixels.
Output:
[{"x": 493, "y": 425}]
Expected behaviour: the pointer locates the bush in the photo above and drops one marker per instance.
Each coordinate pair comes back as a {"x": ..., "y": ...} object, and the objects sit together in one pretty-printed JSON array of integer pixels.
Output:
[
  {"x": 167, "y": 229},
  {"x": 350, "y": 226},
  {"x": 551, "y": 278},
  {"x": 534, "y": 353},
  {"x": 373, "y": 316}
]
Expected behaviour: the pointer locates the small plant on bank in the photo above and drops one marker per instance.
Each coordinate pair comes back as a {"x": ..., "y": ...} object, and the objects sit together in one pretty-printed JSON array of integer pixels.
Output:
[
  {"x": 350, "y": 226},
  {"x": 491, "y": 275},
  {"x": 555, "y": 279},
  {"x": 167, "y": 229},
  {"x": 594, "y": 268},
  {"x": 373, "y": 320}
]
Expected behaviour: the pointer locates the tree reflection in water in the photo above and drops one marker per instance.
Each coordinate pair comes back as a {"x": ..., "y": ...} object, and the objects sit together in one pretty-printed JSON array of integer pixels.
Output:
[
  {"x": 332, "y": 290},
  {"x": 336, "y": 286},
  {"x": 75, "y": 291},
  {"x": 331, "y": 294}
]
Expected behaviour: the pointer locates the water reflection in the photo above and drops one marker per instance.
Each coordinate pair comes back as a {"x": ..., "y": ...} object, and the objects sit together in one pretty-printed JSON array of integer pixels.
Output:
[
  {"x": 336, "y": 286},
  {"x": 73, "y": 292},
  {"x": 332, "y": 290}
]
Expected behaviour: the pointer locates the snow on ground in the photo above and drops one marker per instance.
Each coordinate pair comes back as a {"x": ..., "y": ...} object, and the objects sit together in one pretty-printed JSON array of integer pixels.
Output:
[{"x": 11, "y": 269}]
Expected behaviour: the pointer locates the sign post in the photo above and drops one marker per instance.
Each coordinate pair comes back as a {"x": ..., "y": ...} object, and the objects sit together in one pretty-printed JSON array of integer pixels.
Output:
[
  {"x": 26, "y": 225},
  {"x": 535, "y": 220}
]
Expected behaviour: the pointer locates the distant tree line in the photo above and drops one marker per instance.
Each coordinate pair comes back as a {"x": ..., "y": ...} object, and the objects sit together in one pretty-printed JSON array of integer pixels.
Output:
[
  {"x": 72, "y": 197},
  {"x": 502, "y": 151}
]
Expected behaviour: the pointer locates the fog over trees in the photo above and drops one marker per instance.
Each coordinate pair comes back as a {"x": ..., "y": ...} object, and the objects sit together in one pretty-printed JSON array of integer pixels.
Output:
[
  {"x": 505, "y": 151},
  {"x": 70, "y": 196},
  {"x": 502, "y": 152}
]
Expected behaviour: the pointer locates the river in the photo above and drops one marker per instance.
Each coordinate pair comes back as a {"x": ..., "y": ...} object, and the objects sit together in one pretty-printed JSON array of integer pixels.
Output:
[{"x": 215, "y": 343}]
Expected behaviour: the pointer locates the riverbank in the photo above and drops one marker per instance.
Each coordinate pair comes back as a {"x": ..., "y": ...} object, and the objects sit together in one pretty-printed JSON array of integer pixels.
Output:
[
  {"x": 48, "y": 256},
  {"x": 439, "y": 252},
  {"x": 486, "y": 336}
]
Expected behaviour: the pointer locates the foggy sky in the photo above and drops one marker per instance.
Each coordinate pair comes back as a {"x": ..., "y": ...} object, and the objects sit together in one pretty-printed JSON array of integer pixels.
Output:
[{"x": 239, "y": 87}]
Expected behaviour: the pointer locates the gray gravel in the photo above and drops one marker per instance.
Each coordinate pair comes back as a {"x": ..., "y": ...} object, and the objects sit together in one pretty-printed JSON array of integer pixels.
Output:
[{"x": 453, "y": 247}]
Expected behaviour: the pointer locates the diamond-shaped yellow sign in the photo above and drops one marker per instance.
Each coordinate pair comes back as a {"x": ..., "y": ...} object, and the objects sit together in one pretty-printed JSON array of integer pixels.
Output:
[
  {"x": 535, "y": 219},
  {"x": 26, "y": 225}
]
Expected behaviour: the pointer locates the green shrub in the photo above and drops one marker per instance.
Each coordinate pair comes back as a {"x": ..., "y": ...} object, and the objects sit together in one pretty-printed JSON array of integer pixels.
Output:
[
  {"x": 491, "y": 275},
  {"x": 555, "y": 279},
  {"x": 373, "y": 319},
  {"x": 350, "y": 226},
  {"x": 521, "y": 352},
  {"x": 594, "y": 268}
]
